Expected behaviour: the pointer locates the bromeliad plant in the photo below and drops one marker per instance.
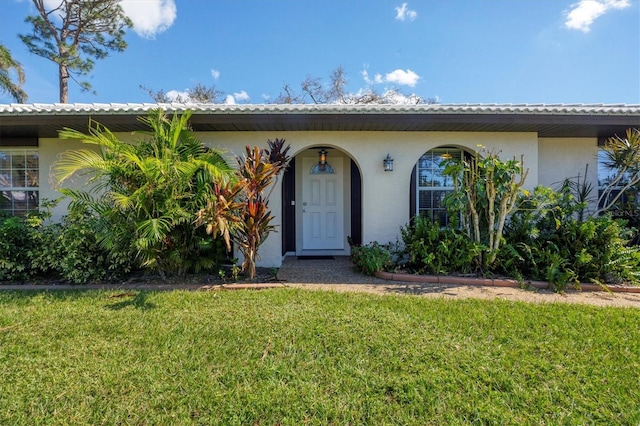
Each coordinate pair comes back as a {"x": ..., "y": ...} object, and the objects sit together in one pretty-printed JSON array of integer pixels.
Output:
[{"x": 240, "y": 212}]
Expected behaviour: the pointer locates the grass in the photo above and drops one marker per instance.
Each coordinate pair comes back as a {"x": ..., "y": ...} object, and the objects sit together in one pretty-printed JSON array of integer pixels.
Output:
[{"x": 300, "y": 357}]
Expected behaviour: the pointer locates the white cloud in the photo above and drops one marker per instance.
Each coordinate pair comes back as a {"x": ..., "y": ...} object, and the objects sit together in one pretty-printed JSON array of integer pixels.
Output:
[
  {"x": 150, "y": 17},
  {"x": 402, "y": 77},
  {"x": 177, "y": 96},
  {"x": 403, "y": 12},
  {"x": 215, "y": 74},
  {"x": 51, "y": 4},
  {"x": 407, "y": 78},
  {"x": 365, "y": 75},
  {"x": 241, "y": 96},
  {"x": 236, "y": 97},
  {"x": 585, "y": 12}
]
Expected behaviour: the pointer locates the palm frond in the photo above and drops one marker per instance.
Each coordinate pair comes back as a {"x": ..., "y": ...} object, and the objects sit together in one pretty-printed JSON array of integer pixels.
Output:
[
  {"x": 154, "y": 229},
  {"x": 78, "y": 161}
]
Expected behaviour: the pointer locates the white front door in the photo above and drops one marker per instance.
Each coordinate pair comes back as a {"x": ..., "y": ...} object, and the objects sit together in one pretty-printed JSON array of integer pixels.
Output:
[{"x": 322, "y": 207}]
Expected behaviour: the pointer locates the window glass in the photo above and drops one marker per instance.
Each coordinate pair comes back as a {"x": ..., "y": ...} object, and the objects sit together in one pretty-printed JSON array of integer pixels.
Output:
[
  {"x": 625, "y": 204},
  {"x": 432, "y": 185},
  {"x": 322, "y": 169},
  {"x": 19, "y": 181}
]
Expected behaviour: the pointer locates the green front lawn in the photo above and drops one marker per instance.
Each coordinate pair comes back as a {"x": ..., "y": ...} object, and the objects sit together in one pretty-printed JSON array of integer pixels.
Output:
[{"x": 301, "y": 357}]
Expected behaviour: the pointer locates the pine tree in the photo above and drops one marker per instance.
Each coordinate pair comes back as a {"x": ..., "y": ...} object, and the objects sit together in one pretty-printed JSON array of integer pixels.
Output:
[{"x": 75, "y": 33}]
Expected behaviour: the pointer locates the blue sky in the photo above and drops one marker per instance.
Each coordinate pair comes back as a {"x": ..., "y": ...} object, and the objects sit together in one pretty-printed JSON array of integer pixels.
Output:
[{"x": 458, "y": 51}]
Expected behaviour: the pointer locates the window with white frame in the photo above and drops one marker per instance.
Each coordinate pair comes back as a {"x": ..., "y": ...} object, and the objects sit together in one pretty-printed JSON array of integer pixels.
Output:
[
  {"x": 432, "y": 186},
  {"x": 19, "y": 181}
]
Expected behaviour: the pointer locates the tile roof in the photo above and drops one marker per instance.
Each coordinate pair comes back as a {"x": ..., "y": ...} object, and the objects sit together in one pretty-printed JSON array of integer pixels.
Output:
[
  {"x": 557, "y": 120},
  {"x": 136, "y": 108}
]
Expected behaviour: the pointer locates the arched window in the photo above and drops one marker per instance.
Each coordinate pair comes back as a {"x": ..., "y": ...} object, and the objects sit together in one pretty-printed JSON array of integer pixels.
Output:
[
  {"x": 431, "y": 186},
  {"x": 322, "y": 169}
]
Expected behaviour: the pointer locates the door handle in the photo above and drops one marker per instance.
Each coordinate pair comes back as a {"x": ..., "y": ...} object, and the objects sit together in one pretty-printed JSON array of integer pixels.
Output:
[{"x": 304, "y": 210}]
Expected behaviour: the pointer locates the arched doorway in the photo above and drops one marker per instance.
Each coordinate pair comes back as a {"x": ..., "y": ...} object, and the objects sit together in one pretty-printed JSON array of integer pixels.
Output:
[{"x": 321, "y": 206}]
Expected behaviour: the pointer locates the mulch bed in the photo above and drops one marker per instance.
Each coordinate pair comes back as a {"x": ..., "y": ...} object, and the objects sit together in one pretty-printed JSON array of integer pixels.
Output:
[{"x": 146, "y": 279}]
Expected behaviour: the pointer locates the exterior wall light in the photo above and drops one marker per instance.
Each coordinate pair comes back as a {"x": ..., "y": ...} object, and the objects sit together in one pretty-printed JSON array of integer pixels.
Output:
[
  {"x": 322, "y": 158},
  {"x": 388, "y": 163}
]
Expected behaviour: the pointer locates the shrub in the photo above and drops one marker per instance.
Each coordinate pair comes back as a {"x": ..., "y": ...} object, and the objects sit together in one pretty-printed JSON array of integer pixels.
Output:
[
  {"x": 371, "y": 258},
  {"x": 431, "y": 249},
  {"x": 32, "y": 247},
  {"x": 15, "y": 243},
  {"x": 547, "y": 241},
  {"x": 240, "y": 211},
  {"x": 71, "y": 250}
]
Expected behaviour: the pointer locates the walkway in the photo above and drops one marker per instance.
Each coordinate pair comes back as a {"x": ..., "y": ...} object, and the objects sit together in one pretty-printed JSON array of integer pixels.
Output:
[
  {"x": 339, "y": 275},
  {"x": 338, "y": 270}
]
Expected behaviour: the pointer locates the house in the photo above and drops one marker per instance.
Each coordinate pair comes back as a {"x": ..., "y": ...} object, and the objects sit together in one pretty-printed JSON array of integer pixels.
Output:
[{"x": 341, "y": 182}]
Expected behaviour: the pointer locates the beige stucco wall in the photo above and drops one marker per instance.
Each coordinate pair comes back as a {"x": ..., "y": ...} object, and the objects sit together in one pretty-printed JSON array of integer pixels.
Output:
[
  {"x": 385, "y": 195},
  {"x": 561, "y": 158},
  {"x": 49, "y": 151}
]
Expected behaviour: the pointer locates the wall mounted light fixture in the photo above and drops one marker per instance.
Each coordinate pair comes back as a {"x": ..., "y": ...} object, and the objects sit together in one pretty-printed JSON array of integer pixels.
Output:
[
  {"x": 388, "y": 163},
  {"x": 322, "y": 157}
]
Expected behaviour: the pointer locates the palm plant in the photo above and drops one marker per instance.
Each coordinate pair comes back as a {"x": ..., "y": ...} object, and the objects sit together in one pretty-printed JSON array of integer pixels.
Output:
[
  {"x": 9, "y": 66},
  {"x": 149, "y": 191}
]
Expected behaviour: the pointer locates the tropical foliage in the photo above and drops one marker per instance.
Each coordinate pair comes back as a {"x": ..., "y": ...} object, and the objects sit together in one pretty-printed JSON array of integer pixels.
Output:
[
  {"x": 498, "y": 228},
  {"x": 372, "y": 257},
  {"x": 15, "y": 243},
  {"x": 148, "y": 193},
  {"x": 11, "y": 76},
  {"x": 33, "y": 247},
  {"x": 547, "y": 240},
  {"x": 485, "y": 193},
  {"x": 428, "y": 248},
  {"x": 240, "y": 212}
]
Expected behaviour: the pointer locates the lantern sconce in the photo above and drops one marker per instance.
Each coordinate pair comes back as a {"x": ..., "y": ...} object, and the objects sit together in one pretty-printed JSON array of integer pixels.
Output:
[
  {"x": 322, "y": 158},
  {"x": 388, "y": 163}
]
